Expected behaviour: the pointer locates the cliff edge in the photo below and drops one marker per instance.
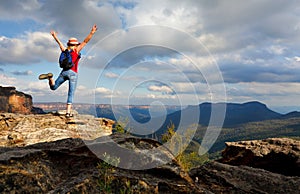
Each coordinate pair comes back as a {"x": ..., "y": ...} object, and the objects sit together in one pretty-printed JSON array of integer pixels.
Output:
[
  {"x": 13, "y": 101},
  {"x": 48, "y": 153},
  {"x": 22, "y": 130}
]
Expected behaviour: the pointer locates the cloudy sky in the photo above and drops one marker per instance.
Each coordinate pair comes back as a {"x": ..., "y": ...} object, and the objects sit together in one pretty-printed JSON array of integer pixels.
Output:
[{"x": 167, "y": 52}]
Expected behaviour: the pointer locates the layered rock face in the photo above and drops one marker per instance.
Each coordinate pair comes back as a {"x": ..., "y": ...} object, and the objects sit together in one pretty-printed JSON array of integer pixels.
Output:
[
  {"x": 223, "y": 178},
  {"x": 246, "y": 167},
  {"x": 72, "y": 166},
  {"x": 68, "y": 166},
  {"x": 14, "y": 101},
  {"x": 279, "y": 155}
]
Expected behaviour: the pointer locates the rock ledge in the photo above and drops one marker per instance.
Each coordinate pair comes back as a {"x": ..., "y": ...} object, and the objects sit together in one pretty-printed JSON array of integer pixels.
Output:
[{"x": 279, "y": 155}]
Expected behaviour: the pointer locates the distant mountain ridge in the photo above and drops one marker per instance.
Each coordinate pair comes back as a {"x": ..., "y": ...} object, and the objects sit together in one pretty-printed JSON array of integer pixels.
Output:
[
  {"x": 240, "y": 113},
  {"x": 138, "y": 112},
  {"x": 236, "y": 113}
]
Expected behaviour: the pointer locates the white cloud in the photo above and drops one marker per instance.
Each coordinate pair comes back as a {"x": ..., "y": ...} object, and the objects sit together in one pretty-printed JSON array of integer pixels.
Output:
[
  {"x": 41, "y": 92},
  {"x": 19, "y": 9},
  {"x": 279, "y": 94},
  {"x": 102, "y": 90},
  {"x": 163, "y": 89},
  {"x": 276, "y": 49},
  {"x": 297, "y": 59},
  {"x": 22, "y": 72},
  {"x": 281, "y": 89},
  {"x": 28, "y": 49},
  {"x": 158, "y": 96},
  {"x": 177, "y": 14},
  {"x": 90, "y": 57},
  {"x": 111, "y": 75},
  {"x": 7, "y": 81},
  {"x": 63, "y": 16}
]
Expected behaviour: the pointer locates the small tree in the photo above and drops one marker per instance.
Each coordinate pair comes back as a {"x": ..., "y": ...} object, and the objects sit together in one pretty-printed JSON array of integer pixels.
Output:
[
  {"x": 169, "y": 133},
  {"x": 106, "y": 168},
  {"x": 188, "y": 159},
  {"x": 122, "y": 125}
]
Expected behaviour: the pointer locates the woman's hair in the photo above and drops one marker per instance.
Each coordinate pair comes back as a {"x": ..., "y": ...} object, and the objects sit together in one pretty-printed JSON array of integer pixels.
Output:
[{"x": 70, "y": 46}]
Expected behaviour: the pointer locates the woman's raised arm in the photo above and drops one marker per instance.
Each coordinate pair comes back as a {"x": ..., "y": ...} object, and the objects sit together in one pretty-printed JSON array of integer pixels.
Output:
[
  {"x": 61, "y": 46},
  {"x": 88, "y": 38}
]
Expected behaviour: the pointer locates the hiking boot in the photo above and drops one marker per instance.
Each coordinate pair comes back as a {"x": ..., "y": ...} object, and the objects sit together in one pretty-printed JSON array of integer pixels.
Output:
[
  {"x": 45, "y": 76},
  {"x": 69, "y": 115}
]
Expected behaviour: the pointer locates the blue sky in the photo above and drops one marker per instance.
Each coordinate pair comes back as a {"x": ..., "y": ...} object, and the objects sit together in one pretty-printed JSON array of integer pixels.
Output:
[{"x": 172, "y": 51}]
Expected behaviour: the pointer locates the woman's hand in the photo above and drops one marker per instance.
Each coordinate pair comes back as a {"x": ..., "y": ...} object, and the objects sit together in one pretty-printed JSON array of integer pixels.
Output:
[
  {"x": 53, "y": 33},
  {"x": 94, "y": 29}
]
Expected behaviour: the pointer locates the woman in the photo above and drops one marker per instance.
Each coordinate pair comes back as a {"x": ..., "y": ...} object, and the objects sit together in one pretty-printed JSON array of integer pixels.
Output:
[{"x": 71, "y": 75}]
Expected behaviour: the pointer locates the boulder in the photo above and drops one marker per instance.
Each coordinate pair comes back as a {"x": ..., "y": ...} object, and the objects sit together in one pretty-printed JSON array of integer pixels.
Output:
[
  {"x": 223, "y": 178},
  {"x": 280, "y": 155}
]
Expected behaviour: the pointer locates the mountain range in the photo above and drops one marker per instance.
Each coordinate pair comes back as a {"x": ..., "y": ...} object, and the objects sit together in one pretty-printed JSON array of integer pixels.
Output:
[{"x": 235, "y": 113}]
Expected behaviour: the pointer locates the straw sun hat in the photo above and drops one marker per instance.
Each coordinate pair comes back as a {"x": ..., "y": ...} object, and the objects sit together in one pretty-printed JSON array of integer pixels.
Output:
[{"x": 73, "y": 41}]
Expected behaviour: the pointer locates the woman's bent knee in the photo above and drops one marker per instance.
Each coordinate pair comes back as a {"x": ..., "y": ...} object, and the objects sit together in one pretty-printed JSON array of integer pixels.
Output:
[{"x": 53, "y": 87}]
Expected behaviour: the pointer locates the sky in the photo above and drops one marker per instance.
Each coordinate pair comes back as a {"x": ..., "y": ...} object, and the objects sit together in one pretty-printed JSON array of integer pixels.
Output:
[{"x": 169, "y": 52}]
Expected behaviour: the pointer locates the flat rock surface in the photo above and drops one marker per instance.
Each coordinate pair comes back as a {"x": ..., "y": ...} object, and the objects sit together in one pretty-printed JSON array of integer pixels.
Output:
[{"x": 22, "y": 130}]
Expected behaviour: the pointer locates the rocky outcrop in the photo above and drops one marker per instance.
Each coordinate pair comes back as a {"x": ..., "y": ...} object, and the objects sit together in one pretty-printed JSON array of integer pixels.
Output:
[
  {"x": 13, "y": 101},
  {"x": 249, "y": 166},
  {"x": 279, "y": 155},
  {"x": 68, "y": 166},
  {"x": 21, "y": 130},
  {"x": 47, "y": 153},
  {"x": 223, "y": 178}
]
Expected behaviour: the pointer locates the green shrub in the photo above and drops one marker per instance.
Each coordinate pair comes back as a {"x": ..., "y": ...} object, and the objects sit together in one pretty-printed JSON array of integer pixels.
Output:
[{"x": 188, "y": 158}]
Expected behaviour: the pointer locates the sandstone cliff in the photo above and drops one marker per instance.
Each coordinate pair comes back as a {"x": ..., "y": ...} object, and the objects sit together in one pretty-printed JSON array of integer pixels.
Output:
[{"x": 13, "y": 101}]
